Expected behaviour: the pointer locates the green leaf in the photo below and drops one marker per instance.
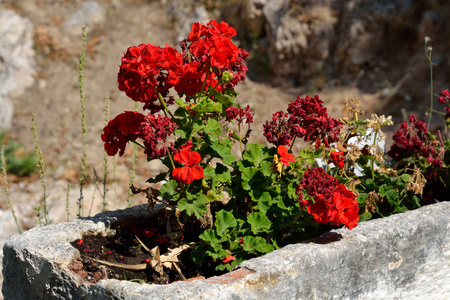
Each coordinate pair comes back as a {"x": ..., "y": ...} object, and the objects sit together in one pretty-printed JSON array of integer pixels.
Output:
[
  {"x": 259, "y": 222},
  {"x": 210, "y": 237},
  {"x": 256, "y": 245},
  {"x": 263, "y": 200},
  {"x": 199, "y": 254},
  {"x": 266, "y": 169},
  {"x": 169, "y": 191},
  {"x": 365, "y": 217},
  {"x": 224, "y": 220},
  {"x": 256, "y": 154},
  {"x": 207, "y": 105},
  {"x": 250, "y": 177},
  {"x": 226, "y": 100},
  {"x": 195, "y": 206},
  {"x": 223, "y": 150},
  {"x": 213, "y": 129},
  {"x": 405, "y": 177},
  {"x": 223, "y": 173},
  {"x": 217, "y": 254},
  {"x": 307, "y": 156},
  {"x": 361, "y": 199}
]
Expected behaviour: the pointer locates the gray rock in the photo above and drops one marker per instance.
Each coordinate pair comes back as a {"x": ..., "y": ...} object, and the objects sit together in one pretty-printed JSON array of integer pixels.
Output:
[
  {"x": 17, "y": 64},
  {"x": 404, "y": 256},
  {"x": 91, "y": 13}
]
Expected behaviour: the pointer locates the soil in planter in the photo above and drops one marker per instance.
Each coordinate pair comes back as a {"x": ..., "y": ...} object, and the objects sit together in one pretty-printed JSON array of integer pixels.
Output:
[{"x": 125, "y": 248}]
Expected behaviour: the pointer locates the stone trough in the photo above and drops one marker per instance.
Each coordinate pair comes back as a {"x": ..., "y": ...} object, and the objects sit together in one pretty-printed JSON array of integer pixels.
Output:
[{"x": 404, "y": 256}]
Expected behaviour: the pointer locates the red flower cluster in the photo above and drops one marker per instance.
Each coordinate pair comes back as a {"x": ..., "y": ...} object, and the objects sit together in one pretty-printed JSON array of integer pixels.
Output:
[
  {"x": 131, "y": 125},
  {"x": 307, "y": 119},
  {"x": 444, "y": 96},
  {"x": 211, "y": 46},
  {"x": 408, "y": 138},
  {"x": 239, "y": 114},
  {"x": 147, "y": 70},
  {"x": 412, "y": 139},
  {"x": 310, "y": 115},
  {"x": 278, "y": 131},
  {"x": 155, "y": 131},
  {"x": 190, "y": 171},
  {"x": 285, "y": 156},
  {"x": 123, "y": 128},
  {"x": 333, "y": 203},
  {"x": 338, "y": 158}
]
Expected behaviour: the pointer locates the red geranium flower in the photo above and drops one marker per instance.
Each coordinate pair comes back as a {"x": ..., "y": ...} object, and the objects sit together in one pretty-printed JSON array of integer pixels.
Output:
[
  {"x": 228, "y": 259},
  {"x": 123, "y": 128},
  {"x": 338, "y": 158},
  {"x": 285, "y": 156},
  {"x": 190, "y": 171}
]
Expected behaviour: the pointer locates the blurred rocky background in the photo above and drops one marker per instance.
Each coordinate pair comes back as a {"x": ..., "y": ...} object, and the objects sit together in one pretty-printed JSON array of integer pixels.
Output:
[{"x": 370, "y": 49}]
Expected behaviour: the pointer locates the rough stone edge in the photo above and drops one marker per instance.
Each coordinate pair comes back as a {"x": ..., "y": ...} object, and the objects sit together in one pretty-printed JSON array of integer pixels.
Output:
[{"x": 379, "y": 255}]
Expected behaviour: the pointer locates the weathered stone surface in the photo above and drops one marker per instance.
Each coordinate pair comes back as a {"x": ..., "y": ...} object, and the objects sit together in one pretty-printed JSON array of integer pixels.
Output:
[
  {"x": 405, "y": 256},
  {"x": 91, "y": 13},
  {"x": 16, "y": 61}
]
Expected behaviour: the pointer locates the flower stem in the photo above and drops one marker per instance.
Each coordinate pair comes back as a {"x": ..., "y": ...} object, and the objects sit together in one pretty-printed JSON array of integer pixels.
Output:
[
  {"x": 240, "y": 140},
  {"x": 428, "y": 55},
  {"x": 372, "y": 160},
  {"x": 166, "y": 109}
]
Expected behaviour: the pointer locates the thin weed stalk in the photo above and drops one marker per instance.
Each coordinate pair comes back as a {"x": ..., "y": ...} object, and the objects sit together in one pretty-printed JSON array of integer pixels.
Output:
[
  {"x": 68, "y": 202},
  {"x": 115, "y": 180},
  {"x": 93, "y": 193},
  {"x": 83, "y": 118},
  {"x": 428, "y": 50},
  {"x": 41, "y": 165},
  {"x": 105, "y": 156},
  {"x": 5, "y": 187}
]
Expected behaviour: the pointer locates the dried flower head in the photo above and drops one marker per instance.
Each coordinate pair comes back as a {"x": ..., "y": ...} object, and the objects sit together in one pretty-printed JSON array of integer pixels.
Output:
[
  {"x": 416, "y": 182},
  {"x": 377, "y": 122},
  {"x": 371, "y": 202}
]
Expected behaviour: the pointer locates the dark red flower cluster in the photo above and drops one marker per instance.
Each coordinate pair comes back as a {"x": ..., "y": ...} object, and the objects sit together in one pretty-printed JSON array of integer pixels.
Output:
[
  {"x": 444, "y": 97},
  {"x": 307, "y": 119},
  {"x": 190, "y": 170},
  {"x": 239, "y": 114},
  {"x": 333, "y": 203},
  {"x": 412, "y": 140},
  {"x": 155, "y": 132},
  {"x": 338, "y": 158},
  {"x": 278, "y": 131},
  {"x": 123, "y": 128},
  {"x": 310, "y": 115},
  {"x": 408, "y": 138}
]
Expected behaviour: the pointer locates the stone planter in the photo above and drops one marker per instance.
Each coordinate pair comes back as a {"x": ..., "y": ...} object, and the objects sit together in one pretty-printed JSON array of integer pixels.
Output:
[{"x": 405, "y": 256}]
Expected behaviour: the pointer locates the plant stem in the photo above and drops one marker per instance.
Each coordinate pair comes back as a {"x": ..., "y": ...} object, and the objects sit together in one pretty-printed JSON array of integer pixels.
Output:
[
  {"x": 240, "y": 140},
  {"x": 166, "y": 109},
  {"x": 428, "y": 55},
  {"x": 372, "y": 159},
  {"x": 68, "y": 202},
  {"x": 83, "y": 118},
  {"x": 105, "y": 156},
  {"x": 41, "y": 164},
  {"x": 5, "y": 187}
]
